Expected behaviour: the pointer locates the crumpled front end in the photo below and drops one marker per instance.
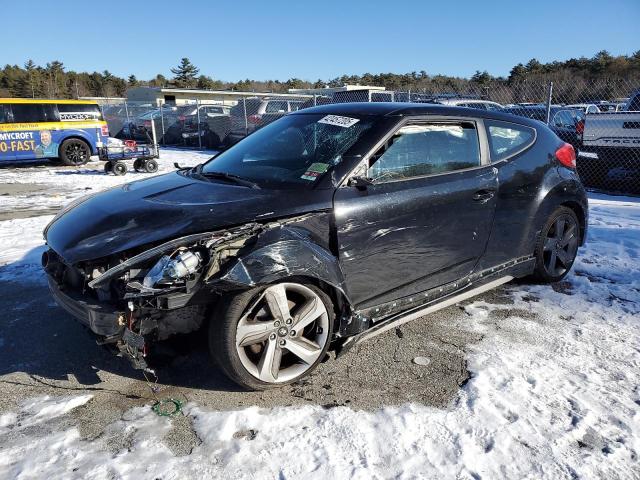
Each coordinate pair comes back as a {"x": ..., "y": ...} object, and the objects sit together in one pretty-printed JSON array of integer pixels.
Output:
[{"x": 149, "y": 294}]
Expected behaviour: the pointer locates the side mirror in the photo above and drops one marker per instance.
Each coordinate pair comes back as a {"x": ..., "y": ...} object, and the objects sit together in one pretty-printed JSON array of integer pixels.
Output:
[{"x": 360, "y": 182}]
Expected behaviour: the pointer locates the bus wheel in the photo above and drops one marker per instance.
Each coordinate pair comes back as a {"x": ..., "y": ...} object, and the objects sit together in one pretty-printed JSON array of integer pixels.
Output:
[
  {"x": 151, "y": 166},
  {"x": 119, "y": 168},
  {"x": 74, "y": 152}
]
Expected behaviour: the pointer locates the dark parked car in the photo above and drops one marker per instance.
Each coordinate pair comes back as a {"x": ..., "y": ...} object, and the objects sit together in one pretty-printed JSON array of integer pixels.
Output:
[
  {"x": 567, "y": 123},
  {"x": 322, "y": 229},
  {"x": 251, "y": 114},
  {"x": 213, "y": 128}
]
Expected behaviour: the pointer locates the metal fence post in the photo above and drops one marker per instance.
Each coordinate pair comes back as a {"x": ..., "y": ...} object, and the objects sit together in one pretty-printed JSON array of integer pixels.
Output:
[
  {"x": 198, "y": 119},
  {"x": 246, "y": 120},
  {"x": 161, "y": 121},
  {"x": 315, "y": 101},
  {"x": 153, "y": 133},
  {"x": 549, "y": 99}
]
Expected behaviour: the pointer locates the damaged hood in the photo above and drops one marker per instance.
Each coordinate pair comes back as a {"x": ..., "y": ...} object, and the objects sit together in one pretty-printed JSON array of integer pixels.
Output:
[{"x": 166, "y": 207}]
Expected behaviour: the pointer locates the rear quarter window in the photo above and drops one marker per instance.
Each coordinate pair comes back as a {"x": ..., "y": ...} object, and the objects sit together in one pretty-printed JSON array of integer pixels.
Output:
[
  {"x": 507, "y": 139},
  {"x": 276, "y": 107}
]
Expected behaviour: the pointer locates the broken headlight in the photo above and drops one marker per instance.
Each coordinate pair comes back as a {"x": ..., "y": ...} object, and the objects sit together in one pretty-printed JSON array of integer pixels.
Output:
[{"x": 169, "y": 269}]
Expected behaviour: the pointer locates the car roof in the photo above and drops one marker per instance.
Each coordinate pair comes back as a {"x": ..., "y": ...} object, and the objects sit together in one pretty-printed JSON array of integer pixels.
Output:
[{"x": 400, "y": 109}]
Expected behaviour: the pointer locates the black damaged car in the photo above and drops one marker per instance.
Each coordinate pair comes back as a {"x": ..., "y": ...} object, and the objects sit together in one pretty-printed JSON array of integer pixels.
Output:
[{"x": 318, "y": 231}]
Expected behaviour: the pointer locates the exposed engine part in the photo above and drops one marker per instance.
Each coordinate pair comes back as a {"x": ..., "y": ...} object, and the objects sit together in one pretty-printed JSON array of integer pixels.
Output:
[
  {"x": 186, "y": 263},
  {"x": 168, "y": 269}
]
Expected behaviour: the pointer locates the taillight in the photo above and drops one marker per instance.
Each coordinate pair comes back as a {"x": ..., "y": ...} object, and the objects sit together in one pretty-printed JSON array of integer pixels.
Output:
[
  {"x": 580, "y": 127},
  {"x": 255, "y": 119},
  {"x": 105, "y": 130},
  {"x": 566, "y": 155}
]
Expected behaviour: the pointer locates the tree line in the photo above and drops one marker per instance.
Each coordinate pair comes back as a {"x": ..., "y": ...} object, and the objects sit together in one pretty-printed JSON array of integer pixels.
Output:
[{"x": 603, "y": 72}]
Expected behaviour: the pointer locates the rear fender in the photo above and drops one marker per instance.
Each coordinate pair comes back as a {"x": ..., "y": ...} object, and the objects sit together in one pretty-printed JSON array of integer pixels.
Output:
[
  {"x": 568, "y": 192},
  {"x": 81, "y": 135}
]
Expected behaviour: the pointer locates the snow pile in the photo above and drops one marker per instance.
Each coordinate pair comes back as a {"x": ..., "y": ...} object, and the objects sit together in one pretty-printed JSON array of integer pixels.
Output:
[
  {"x": 554, "y": 393},
  {"x": 41, "y": 409}
]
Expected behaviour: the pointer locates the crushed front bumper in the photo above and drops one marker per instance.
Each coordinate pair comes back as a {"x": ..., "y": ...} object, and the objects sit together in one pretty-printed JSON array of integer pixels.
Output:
[{"x": 101, "y": 319}]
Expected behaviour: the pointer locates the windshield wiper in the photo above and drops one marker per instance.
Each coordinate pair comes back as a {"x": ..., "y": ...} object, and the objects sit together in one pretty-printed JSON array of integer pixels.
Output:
[{"x": 231, "y": 177}]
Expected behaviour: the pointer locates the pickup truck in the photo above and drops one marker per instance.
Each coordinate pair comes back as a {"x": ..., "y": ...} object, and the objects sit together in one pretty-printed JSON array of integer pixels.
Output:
[{"x": 610, "y": 150}]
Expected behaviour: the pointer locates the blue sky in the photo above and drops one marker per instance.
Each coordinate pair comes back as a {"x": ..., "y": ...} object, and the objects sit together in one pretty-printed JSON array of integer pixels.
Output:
[{"x": 311, "y": 40}]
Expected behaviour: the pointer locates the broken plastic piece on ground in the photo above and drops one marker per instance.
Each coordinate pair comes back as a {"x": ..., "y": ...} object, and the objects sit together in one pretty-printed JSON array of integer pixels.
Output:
[{"x": 167, "y": 407}]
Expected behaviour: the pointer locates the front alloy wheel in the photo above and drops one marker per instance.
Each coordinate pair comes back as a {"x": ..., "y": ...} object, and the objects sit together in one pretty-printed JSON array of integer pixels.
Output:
[{"x": 273, "y": 336}]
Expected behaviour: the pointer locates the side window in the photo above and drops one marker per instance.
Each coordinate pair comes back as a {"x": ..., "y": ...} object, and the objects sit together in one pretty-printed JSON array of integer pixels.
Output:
[
  {"x": 563, "y": 119},
  {"x": 4, "y": 114},
  {"x": 506, "y": 139},
  {"x": 427, "y": 149},
  {"x": 28, "y": 113},
  {"x": 276, "y": 107}
]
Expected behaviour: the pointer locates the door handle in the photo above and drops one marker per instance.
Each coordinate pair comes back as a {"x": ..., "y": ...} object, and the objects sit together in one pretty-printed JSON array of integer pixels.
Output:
[{"x": 483, "y": 195}]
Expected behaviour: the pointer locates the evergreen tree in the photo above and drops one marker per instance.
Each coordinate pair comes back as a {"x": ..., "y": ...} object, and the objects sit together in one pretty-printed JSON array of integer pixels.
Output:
[
  {"x": 55, "y": 80},
  {"x": 30, "y": 67},
  {"x": 185, "y": 74},
  {"x": 132, "y": 81}
]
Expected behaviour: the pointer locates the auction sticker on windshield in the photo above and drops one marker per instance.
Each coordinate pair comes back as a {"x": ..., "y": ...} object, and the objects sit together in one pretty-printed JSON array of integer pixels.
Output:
[
  {"x": 314, "y": 171},
  {"x": 339, "y": 121}
]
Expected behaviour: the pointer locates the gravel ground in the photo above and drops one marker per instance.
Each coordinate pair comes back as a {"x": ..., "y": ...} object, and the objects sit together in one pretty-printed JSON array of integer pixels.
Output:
[{"x": 46, "y": 352}]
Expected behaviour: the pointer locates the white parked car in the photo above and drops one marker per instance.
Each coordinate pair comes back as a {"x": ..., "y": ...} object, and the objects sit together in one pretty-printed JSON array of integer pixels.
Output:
[
  {"x": 585, "y": 107},
  {"x": 469, "y": 103}
]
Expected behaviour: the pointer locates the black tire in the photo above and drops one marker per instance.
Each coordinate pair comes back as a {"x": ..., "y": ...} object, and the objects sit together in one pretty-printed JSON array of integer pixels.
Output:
[
  {"x": 137, "y": 165},
  {"x": 74, "y": 152},
  {"x": 119, "y": 168},
  {"x": 151, "y": 166},
  {"x": 555, "y": 253},
  {"x": 222, "y": 336},
  {"x": 108, "y": 166}
]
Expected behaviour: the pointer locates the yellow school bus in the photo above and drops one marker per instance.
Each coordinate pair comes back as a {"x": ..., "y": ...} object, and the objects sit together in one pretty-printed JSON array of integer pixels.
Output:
[{"x": 67, "y": 130}]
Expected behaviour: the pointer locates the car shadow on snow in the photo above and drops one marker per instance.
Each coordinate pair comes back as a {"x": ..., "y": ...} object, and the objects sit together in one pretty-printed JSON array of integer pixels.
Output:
[{"x": 40, "y": 339}]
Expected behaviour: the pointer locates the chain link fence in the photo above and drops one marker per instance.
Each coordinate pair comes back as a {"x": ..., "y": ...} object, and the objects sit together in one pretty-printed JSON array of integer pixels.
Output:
[{"x": 600, "y": 119}]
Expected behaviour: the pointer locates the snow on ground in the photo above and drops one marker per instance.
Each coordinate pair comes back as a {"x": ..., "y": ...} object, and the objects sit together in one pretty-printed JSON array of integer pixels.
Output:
[
  {"x": 60, "y": 185},
  {"x": 554, "y": 393}
]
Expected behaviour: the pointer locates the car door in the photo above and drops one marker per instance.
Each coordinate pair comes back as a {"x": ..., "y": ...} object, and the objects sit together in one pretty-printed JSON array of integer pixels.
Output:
[
  {"x": 46, "y": 138},
  {"x": 425, "y": 219}
]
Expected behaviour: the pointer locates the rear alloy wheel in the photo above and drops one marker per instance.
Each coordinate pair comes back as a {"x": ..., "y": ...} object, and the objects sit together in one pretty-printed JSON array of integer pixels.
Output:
[
  {"x": 274, "y": 336},
  {"x": 74, "y": 152},
  {"x": 558, "y": 245}
]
